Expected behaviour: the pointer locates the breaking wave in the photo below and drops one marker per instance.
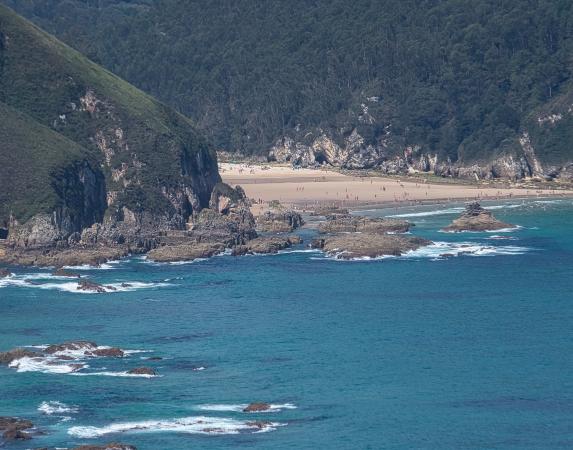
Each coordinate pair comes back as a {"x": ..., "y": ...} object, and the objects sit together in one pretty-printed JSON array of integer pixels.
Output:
[
  {"x": 241, "y": 406},
  {"x": 191, "y": 425}
]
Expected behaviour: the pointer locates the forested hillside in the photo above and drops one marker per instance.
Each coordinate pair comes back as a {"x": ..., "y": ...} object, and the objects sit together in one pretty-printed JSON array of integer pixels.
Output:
[{"x": 462, "y": 81}]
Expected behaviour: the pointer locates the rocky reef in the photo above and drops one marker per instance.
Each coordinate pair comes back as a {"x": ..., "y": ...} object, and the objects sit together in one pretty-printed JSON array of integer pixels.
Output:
[
  {"x": 476, "y": 218},
  {"x": 353, "y": 224},
  {"x": 15, "y": 429},
  {"x": 368, "y": 245},
  {"x": 266, "y": 245},
  {"x": 279, "y": 221}
]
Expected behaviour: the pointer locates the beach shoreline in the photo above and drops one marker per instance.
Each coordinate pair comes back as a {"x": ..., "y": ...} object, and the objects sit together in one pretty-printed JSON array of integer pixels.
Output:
[{"x": 305, "y": 189}]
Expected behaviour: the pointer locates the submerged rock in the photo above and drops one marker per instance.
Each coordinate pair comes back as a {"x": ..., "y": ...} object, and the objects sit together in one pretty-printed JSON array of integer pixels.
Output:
[
  {"x": 351, "y": 224},
  {"x": 257, "y": 407},
  {"x": 111, "y": 446},
  {"x": 279, "y": 221},
  {"x": 370, "y": 245},
  {"x": 112, "y": 352},
  {"x": 64, "y": 273},
  {"x": 5, "y": 273},
  {"x": 85, "y": 285},
  {"x": 87, "y": 346},
  {"x": 12, "y": 355},
  {"x": 142, "y": 371},
  {"x": 12, "y": 428},
  {"x": 476, "y": 218}
]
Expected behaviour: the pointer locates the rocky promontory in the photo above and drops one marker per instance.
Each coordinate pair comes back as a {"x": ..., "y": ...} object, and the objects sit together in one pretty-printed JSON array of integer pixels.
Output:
[
  {"x": 361, "y": 224},
  {"x": 368, "y": 245},
  {"x": 476, "y": 218},
  {"x": 279, "y": 221}
]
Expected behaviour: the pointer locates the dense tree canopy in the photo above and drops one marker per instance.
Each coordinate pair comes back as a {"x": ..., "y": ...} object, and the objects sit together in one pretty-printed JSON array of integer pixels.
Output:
[{"x": 459, "y": 77}]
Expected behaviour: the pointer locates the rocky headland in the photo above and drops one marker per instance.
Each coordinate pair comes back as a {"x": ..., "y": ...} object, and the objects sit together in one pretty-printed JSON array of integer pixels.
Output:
[{"x": 476, "y": 218}]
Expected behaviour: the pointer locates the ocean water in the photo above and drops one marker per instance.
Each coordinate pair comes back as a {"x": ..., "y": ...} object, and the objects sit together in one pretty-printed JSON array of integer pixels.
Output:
[{"x": 472, "y": 351}]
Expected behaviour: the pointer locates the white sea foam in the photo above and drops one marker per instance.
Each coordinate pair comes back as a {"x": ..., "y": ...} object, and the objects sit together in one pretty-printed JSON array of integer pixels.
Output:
[
  {"x": 51, "y": 408},
  {"x": 191, "y": 425},
  {"x": 105, "y": 266},
  {"x": 123, "y": 374},
  {"x": 46, "y": 364},
  {"x": 241, "y": 406},
  {"x": 443, "y": 250},
  {"x": 72, "y": 286}
]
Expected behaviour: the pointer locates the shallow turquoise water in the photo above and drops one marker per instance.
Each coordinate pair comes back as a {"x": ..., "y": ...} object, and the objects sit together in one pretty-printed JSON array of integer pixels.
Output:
[{"x": 416, "y": 352}]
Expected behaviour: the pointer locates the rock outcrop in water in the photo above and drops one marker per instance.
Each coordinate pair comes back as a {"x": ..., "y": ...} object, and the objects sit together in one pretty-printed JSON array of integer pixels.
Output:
[
  {"x": 368, "y": 245},
  {"x": 257, "y": 407},
  {"x": 13, "y": 428},
  {"x": 266, "y": 245},
  {"x": 279, "y": 221},
  {"x": 353, "y": 224},
  {"x": 476, "y": 218}
]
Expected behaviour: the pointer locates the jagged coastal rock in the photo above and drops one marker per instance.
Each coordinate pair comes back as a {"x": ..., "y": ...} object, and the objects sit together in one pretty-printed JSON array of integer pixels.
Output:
[
  {"x": 351, "y": 224},
  {"x": 279, "y": 221},
  {"x": 368, "y": 245},
  {"x": 257, "y": 407},
  {"x": 266, "y": 245},
  {"x": 476, "y": 218},
  {"x": 142, "y": 371},
  {"x": 13, "y": 428}
]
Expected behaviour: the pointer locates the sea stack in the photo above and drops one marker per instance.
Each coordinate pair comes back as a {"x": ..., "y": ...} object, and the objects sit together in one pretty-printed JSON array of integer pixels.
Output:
[{"x": 476, "y": 218}]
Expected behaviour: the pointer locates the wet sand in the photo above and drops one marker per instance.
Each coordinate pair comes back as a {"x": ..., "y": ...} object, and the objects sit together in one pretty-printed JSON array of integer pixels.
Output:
[{"x": 306, "y": 188}]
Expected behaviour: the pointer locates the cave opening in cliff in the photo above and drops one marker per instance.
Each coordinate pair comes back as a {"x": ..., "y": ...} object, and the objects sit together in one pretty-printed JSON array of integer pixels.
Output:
[
  {"x": 320, "y": 158},
  {"x": 3, "y": 233}
]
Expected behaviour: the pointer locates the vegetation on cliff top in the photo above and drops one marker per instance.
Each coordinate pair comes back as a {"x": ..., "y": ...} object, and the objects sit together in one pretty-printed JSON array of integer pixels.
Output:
[
  {"x": 136, "y": 140},
  {"x": 462, "y": 78}
]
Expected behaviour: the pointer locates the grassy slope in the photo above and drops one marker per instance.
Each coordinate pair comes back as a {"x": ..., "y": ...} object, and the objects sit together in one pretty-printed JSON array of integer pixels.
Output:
[
  {"x": 45, "y": 78},
  {"x": 26, "y": 185}
]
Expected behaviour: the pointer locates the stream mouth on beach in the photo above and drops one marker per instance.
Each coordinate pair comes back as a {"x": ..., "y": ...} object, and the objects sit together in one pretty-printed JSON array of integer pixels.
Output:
[{"x": 458, "y": 344}]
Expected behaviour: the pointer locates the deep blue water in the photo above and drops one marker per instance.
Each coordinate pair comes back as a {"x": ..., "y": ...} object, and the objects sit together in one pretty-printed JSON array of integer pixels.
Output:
[{"x": 415, "y": 352}]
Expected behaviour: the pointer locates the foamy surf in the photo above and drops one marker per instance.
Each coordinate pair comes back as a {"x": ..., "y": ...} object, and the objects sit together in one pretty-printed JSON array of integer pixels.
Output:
[
  {"x": 71, "y": 359},
  {"x": 191, "y": 425},
  {"x": 240, "y": 407},
  {"x": 51, "y": 408},
  {"x": 36, "y": 281},
  {"x": 440, "y": 251}
]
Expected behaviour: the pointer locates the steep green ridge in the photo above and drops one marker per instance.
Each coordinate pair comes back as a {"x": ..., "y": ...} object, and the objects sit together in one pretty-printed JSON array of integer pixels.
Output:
[
  {"x": 33, "y": 159},
  {"x": 460, "y": 78},
  {"x": 152, "y": 157}
]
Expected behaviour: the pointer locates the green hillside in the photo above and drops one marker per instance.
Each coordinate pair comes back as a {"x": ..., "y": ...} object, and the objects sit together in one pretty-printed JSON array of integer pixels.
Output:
[
  {"x": 461, "y": 78},
  {"x": 152, "y": 157},
  {"x": 34, "y": 183}
]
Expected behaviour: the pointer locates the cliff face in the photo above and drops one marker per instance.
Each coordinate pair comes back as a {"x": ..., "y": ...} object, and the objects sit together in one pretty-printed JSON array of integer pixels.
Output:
[{"x": 83, "y": 148}]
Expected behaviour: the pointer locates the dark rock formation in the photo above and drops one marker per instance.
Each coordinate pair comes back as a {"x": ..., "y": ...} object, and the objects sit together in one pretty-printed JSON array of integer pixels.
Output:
[
  {"x": 71, "y": 345},
  {"x": 13, "y": 428},
  {"x": 266, "y": 245},
  {"x": 279, "y": 221},
  {"x": 330, "y": 212},
  {"x": 185, "y": 252},
  {"x": 348, "y": 224},
  {"x": 17, "y": 353},
  {"x": 142, "y": 371},
  {"x": 370, "y": 245},
  {"x": 112, "y": 352},
  {"x": 476, "y": 218},
  {"x": 64, "y": 273},
  {"x": 257, "y": 407},
  {"x": 85, "y": 285},
  {"x": 5, "y": 273}
]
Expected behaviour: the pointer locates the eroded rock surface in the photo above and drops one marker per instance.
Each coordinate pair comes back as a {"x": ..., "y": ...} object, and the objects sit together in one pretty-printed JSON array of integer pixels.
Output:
[
  {"x": 279, "y": 221},
  {"x": 352, "y": 224},
  {"x": 476, "y": 218},
  {"x": 369, "y": 245}
]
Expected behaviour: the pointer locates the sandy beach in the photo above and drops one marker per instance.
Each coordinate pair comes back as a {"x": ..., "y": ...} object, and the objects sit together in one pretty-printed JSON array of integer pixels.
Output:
[{"x": 306, "y": 188}]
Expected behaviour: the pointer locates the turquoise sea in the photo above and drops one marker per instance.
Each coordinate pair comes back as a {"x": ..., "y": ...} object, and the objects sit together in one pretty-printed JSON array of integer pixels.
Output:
[{"x": 472, "y": 351}]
